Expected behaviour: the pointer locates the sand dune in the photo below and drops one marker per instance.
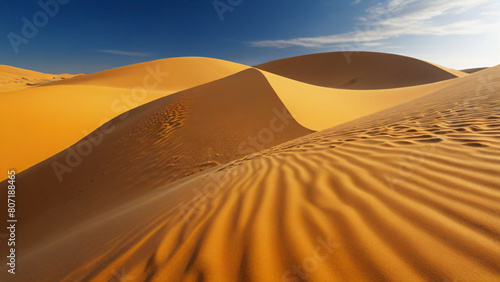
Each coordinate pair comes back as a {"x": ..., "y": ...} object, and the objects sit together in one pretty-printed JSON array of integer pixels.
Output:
[
  {"x": 58, "y": 120},
  {"x": 457, "y": 73},
  {"x": 12, "y": 78},
  {"x": 168, "y": 75},
  {"x": 150, "y": 146},
  {"x": 473, "y": 70},
  {"x": 359, "y": 70},
  {"x": 406, "y": 194},
  {"x": 62, "y": 112}
]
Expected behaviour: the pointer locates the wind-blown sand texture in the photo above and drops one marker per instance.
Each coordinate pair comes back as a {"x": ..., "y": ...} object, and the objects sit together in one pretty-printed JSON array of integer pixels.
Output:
[{"x": 177, "y": 192}]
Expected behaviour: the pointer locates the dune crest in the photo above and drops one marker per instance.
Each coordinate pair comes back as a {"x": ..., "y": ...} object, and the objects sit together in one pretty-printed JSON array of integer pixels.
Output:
[
  {"x": 359, "y": 70},
  {"x": 169, "y": 75}
]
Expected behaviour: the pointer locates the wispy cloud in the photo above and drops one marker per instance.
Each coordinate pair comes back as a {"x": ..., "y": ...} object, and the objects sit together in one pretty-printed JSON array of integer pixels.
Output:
[
  {"x": 356, "y": 2},
  {"x": 493, "y": 9},
  {"x": 394, "y": 18},
  {"x": 125, "y": 53}
]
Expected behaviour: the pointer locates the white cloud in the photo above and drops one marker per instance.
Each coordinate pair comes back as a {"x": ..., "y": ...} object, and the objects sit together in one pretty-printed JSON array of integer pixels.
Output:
[
  {"x": 356, "y": 2},
  {"x": 125, "y": 53},
  {"x": 372, "y": 44},
  {"x": 394, "y": 18}
]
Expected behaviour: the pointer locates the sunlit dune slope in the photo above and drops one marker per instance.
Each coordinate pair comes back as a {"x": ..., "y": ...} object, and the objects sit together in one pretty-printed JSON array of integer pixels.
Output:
[
  {"x": 46, "y": 120},
  {"x": 12, "y": 78},
  {"x": 319, "y": 108},
  {"x": 359, "y": 70},
  {"x": 170, "y": 75},
  {"x": 407, "y": 194},
  {"x": 154, "y": 144}
]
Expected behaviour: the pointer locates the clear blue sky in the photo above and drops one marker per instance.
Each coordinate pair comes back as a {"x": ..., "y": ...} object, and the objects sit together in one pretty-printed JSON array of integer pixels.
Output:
[{"x": 88, "y": 36}]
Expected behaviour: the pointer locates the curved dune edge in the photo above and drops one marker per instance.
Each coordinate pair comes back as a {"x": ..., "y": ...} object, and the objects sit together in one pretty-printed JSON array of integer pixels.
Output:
[
  {"x": 319, "y": 108},
  {"x": 169, "y": 75},
  {"x": 359, "y": 70},
  {"x": 43, "y": 127},
  {"x": 406, "y": 194},
  {"x": 457, "y": 73}
]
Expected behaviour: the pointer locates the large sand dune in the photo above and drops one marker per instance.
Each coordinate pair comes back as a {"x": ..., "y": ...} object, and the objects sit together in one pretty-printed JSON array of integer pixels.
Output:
[
  {"x": 359, "y": 70},
  {"x": 60, "y": 113},
  {"x": 406, "y": 194}
]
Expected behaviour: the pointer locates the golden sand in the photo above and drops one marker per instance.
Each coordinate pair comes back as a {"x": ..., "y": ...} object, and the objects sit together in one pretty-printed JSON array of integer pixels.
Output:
[
  {"x": 404, "y": 190},
  {"x": 50, "y": 118}
]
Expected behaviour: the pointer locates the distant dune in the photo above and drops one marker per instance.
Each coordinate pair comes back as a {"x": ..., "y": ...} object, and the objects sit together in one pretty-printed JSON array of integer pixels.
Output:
[
  {"x": 224, "y": 172},
  {"x": 359, "y": 70},
  {"x": 12, "y": 78},
  {"x": 473, "y": 70},
  {"x": 170, "y": 75}
]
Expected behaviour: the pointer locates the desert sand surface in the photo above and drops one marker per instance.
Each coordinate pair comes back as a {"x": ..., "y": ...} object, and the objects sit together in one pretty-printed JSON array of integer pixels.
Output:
[
  {"x": 359, "y": 70},
  {"x": 160, "y": 142},
  {"x": 58, "y": 120},
  {"x": 12, "y": 78},
  {"x": 51, "y": 118},
  {"x": 228, "y": 181}
]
